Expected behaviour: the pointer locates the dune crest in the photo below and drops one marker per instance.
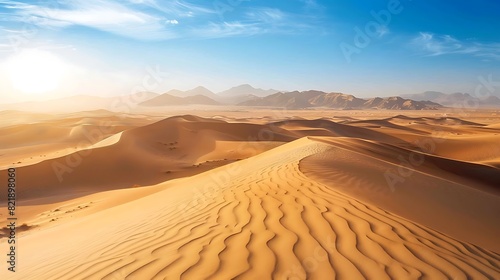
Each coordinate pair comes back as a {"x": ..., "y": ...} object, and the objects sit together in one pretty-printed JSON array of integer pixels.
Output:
[{"x": 257, "y": 218}]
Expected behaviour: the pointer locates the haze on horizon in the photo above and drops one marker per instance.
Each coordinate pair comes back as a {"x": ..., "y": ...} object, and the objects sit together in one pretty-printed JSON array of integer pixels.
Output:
[{"x": 51, "y": 49}]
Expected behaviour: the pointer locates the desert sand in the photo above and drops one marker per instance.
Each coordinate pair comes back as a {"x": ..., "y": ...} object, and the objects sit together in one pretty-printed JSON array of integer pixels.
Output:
[{"x": 254, "y": 194}]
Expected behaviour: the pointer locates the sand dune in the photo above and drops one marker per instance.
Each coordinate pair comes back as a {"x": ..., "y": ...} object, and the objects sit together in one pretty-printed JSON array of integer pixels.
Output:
[
  {"x": 41, "y": 137},
  {"x": 147, "y": 155},
  {"x": 267, "y": 221},
  {"x": 157, "y": 152},
  {"x": 435, "y": 192},
  {"x": 448, "y": 137},
  {"x": 248, "y": 196}
]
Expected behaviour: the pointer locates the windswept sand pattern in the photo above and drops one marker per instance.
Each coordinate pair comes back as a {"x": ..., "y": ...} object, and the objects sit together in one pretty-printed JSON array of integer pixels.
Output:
[
  {"x": 425, "y": 193},
  {"x": 263, "y": 219}
]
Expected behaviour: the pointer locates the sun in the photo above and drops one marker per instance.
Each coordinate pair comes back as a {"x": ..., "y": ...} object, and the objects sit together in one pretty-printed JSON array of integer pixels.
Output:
[{"x": 35, "y": 71}]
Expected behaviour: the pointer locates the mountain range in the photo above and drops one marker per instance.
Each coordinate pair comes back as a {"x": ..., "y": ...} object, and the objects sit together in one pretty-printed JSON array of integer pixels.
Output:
[
  {"x": 193, "y": 92},
  {"x": 312, "y": 98},
  {"x": 461, "y": 100},
  {"x": 233, "y": 95},
  {"x": 246, "y": 95},
  {"x": 171, "y": 100}
]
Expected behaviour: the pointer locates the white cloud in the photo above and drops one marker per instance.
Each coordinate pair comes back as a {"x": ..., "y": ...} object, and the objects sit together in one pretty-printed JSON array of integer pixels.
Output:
[
  {"x": 172, "y": 21},
  {"x": 436, "y": 45},
  {"x": 15, "y": 4},
  {"x": 108, "y": 16},
  {"x": 153, "y": 19},
  {"x": 178, "y": 8},
  {"x": 255, "y": 21}
]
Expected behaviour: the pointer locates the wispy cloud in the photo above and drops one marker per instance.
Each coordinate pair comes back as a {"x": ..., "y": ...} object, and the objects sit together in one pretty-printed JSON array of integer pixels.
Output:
[
  {"x": 272, "y": 20},
  {"x": 106, "y": 16},
  {"x": 175, "y": 8},
  {"x": 227, "y": 29},
  {"x": 253, "y": 21},
  {"x": 268, "y": 15},
  {"x": 311, "y": 5},
  {"x": 154, "y": 19},
  {"x": 435, "y": 45},
  {"x": 8, "y": 4}
]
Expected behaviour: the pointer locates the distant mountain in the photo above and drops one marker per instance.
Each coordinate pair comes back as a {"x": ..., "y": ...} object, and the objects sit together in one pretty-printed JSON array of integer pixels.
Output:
[
  {"x": 176, "y": 92},
  {"x": 200, "y": 99},
  {"x": 310, "y": 99},
  {"x": 398, "y": 103},
  {"x": 462, "y": 100},
  {"x": 491, "y": 100},
  {"x": 170, "y": 100},
  {"x": 233, "y": 95},
  {"x": 246, "y": 90},
  {"x": 195, "y": 91},
  {"x": 232, "y": 100},
  {"x": 337, "y": 99},
  {"x": 428, "y": 95}
]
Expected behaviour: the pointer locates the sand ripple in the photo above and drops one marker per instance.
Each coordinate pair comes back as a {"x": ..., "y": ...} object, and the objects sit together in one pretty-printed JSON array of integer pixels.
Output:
[{"x": 264, "y": 219}]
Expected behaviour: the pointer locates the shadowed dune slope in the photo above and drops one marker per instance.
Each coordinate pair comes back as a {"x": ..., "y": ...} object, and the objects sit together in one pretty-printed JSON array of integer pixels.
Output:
[
  {"x": 321, "y": 127},
  {"x": 186, "y": 145},
  {"x": 171, "y": 148},
  {"x": 259, "y": 218},
  {"x": 459, "y": 198},
  {"x": 146, "y": 155}
]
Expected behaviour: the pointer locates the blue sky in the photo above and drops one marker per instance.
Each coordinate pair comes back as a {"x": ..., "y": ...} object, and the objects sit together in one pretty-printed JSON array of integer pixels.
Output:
[{"x": 366, "y": 48}]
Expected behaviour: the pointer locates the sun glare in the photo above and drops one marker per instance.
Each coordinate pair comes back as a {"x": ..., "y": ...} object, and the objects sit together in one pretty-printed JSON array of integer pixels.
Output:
[{"x": 35, "y": 71}]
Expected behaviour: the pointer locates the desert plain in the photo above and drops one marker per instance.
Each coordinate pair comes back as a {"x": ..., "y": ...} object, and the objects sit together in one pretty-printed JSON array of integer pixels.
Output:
[{"x": 247, "y": 193}]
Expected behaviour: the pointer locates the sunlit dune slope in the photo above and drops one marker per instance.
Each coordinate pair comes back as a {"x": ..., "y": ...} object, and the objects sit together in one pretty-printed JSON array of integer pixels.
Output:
[
  {"x": 27, "y": 138},
  {"x": 259, "y": 218},
  {"x": 174, "y": 147}
]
